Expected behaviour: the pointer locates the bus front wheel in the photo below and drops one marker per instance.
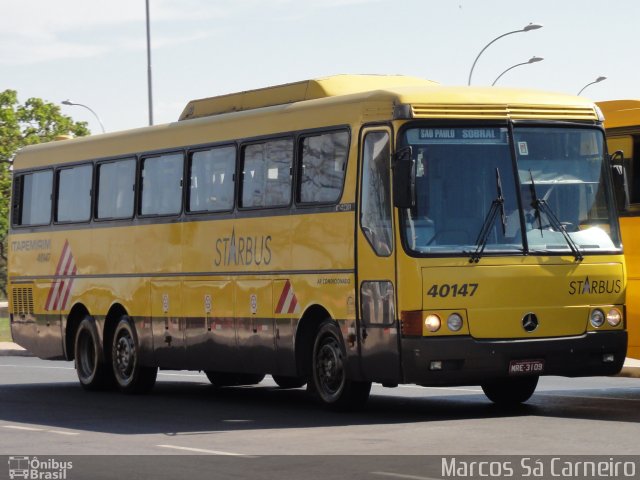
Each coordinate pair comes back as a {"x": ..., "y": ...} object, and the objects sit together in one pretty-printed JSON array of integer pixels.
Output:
[
  {"x": 510, "y": 391},
  {"x": 90, "y": 367},
  {"x": 131, "y": 377},
  {"x": 329, "y": 378}
]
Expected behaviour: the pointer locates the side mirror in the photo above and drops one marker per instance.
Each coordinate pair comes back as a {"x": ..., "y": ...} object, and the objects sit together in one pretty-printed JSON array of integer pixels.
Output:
[
  {"x": 620, "y": 184},
  {"x": 404, "y": 178}
]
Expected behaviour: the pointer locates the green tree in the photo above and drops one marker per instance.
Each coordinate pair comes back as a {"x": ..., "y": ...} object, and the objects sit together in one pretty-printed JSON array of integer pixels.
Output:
[{"x": 35, "y": 121}]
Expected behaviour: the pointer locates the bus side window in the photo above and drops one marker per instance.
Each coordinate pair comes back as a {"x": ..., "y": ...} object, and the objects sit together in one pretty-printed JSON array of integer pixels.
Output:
[
  {"x": 73, "y": 194},
  {"x": 322, "y": 169},
  {"x": 266, "y": 177},
  {"x": 116, "y": 183},
  {"x": 375, "y": 211},
  {"x": 211, "y": 180},
  {"x": 162, "y": 185},
  {"x": 32, "y": 198}
]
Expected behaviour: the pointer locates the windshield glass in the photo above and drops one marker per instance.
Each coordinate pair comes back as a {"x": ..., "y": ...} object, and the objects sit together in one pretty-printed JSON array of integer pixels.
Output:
[
  {"x": 457, "y": 187},
  {"x": 563, "y": 167}
]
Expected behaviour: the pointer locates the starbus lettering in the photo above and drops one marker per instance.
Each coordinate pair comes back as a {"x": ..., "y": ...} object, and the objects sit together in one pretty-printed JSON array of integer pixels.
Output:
[
  {"x": 243, "y": 250},
  {"x": 597, "y": 287}
]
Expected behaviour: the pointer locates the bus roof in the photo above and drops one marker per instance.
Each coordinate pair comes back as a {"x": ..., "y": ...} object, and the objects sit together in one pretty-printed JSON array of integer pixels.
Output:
[
  {"x": 620, "y": 113},
  {"x": 338, "y": 100},
  {"x": 297, "y": 92}
]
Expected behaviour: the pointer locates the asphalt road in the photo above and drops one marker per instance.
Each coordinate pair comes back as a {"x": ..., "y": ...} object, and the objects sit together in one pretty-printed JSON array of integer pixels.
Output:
[{"x": 44, "y": 411}]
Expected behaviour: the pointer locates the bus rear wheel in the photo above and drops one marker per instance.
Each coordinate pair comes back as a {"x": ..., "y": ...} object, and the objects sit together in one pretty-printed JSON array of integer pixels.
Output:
[
  {"x": 510, "y": 391},
  {"x": 329, "y": 378},
  {"x": 289, "y": 382},
  {"x": 92, "y": 372},
  {"x": 131, "y": 377},
  {"x": 231, "y": 379}
]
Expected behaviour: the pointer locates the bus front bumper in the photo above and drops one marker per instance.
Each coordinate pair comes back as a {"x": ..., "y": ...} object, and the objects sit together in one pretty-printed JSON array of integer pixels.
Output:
[{"x": 468, "y": 361}]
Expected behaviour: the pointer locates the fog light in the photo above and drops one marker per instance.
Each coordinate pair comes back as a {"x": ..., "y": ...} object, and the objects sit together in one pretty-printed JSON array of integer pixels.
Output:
[
  {"x": 435, "y": 365},
  {"x": 454, "y": 322},
  {"x": 597, "y": 318},
  {"x": 608, "y": 358},
  {"x": 432, "y": 322},
  {"x": 614, "y": 317}
]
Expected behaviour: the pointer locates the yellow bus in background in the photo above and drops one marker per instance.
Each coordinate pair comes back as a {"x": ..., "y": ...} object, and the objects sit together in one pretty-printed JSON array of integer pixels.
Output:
[
  {"x": 335, "y": 232},
  {"x": 622, "y": 124}
]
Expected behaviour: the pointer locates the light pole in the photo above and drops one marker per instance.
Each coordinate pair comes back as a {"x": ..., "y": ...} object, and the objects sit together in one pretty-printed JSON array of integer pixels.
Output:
[
  {"x": 68, "y": 102},
  {"x": 531, "y": 60},
  {"x": 531, "y": 26},
  {"x": 149, "y": 67},
  {"x": 597, "y": 80}
]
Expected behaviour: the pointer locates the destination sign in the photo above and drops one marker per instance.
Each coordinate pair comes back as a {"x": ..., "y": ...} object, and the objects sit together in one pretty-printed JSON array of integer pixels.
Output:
[{"x": 458, "y": 135}]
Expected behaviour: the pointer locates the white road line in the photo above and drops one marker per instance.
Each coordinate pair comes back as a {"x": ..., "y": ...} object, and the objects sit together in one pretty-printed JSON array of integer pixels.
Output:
[
  {"x": 38, "y": 366},
  {"x": 202, "y": 450},
  {"x": 18, "y": 427},
  {"x": 402, "y": 475},
  {"x": 587, "y": 397},
  {"x": 34, "y": 429},
  {"x": 418, "y": 387}
]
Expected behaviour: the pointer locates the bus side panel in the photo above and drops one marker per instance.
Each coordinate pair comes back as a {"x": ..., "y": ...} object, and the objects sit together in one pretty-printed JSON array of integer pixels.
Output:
[
  {"x": 630, "y": 227},
  {"x": 38, "y": 331},
  {"x": 633, "y": 317},
  {"x": 210, "y": 324},
  {"x": 255, "y": 326}
]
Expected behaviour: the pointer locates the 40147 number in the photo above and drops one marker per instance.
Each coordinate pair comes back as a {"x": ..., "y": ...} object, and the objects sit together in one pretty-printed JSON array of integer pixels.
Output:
[{"x": 453, "y": 290}]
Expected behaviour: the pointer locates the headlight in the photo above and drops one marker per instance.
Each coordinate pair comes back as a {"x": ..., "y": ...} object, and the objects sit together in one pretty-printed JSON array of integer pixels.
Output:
[
  {"x": 614, "y": 317},
  {"x": 432, "y": 322},
  {"x": 454, "y": 322},
  {"x": 597, "y": 318}
]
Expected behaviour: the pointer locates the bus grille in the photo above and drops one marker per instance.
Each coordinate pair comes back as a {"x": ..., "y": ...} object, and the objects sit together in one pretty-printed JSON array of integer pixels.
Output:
[
  {"x": 532, "y": 112},
  {"x": 23, "y": 301}
]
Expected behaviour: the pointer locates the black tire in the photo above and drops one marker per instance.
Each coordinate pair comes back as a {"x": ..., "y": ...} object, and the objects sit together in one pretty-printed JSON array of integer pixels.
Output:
[
  {"x": 93, "y": 372},
  {"x": 231, "y": 379},
  {"x": 130, "y": 376},
  {"x": 510, "y": 391},
  {"x": 329, "y": 379},
  {"x": 289, "y": 382}
]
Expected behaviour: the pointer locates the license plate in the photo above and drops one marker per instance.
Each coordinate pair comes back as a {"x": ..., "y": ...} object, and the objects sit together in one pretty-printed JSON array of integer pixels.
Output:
[{"x": 526, "y": 367}]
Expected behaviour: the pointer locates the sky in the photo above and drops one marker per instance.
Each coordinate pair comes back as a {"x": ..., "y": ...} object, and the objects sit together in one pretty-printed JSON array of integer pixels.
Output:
[{"x": 94, "y": 52}]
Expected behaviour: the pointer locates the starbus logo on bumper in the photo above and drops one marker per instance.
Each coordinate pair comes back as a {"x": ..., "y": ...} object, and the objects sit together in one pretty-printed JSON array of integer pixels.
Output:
[
  {"x": 596, "y": 287},
  {"x": 38, "y": 469}
]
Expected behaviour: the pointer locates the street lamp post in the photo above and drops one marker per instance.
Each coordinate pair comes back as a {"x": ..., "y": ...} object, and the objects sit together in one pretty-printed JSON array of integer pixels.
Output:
[
  {"x": 528, "y": 28},
  {"x": 597, "y": 80},
  {"x": 531, "y": 60},
  {"x": 68, "y": 102},
  {"x": 149, "y": 67}
]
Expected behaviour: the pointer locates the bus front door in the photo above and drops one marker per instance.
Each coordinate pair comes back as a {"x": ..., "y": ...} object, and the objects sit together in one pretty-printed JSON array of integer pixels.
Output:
[{"x": 377, "y": 326}]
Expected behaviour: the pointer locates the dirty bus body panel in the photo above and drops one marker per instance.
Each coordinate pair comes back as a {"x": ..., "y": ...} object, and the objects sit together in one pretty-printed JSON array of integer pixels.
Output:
[
  {"x": 336, "y": 231},
  {"x": 622, "y": 124}
]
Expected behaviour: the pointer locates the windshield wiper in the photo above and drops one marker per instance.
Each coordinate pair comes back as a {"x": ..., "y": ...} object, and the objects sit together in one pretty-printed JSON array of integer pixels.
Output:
[
  {"x": 496, "y": 206},
  {"x": 541, "y": 205}
]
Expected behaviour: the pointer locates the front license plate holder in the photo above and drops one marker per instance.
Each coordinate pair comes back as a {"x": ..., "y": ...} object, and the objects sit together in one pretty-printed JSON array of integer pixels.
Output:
[{"x": 526, "y": 367}]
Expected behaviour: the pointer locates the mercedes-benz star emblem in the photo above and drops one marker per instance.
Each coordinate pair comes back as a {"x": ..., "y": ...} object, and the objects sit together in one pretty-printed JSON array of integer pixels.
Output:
[{"x": 530, "y": 322}]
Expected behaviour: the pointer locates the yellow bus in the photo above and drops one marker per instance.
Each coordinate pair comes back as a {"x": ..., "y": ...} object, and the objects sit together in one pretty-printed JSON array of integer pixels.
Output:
[
  {"x": 333, "y": 232},
  {"x": 622, "y": 124}
]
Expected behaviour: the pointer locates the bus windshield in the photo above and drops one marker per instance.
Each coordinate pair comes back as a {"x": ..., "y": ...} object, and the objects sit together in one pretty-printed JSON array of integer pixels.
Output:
[{"x": 462, "y": 174}]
